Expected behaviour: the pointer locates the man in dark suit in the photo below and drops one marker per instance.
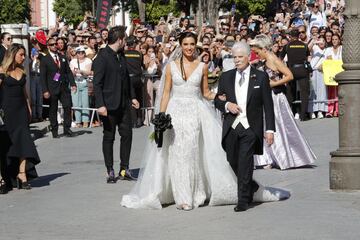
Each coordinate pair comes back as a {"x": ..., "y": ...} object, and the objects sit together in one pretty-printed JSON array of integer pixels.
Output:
[
  {"x": 6, "y": 41},
  {"x": 248, "y": 96},
  {"x": 55, "y": 75},
  {"x": 114, "y": 96}
]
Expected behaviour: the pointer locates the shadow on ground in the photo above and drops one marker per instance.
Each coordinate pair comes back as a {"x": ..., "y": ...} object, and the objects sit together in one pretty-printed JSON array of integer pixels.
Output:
[{"x": 43, "y": 181}]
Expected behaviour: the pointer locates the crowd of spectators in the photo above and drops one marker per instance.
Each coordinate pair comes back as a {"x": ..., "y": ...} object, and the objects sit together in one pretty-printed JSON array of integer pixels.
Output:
[{"x": 319, "y": 23}]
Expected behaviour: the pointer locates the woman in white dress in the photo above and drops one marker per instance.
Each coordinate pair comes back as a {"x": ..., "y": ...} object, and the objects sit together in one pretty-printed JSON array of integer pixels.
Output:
[
  {"x": 191, "y": 166},
  {"x": 290, "y": 148},
  {"x": 318, "y": 93}
]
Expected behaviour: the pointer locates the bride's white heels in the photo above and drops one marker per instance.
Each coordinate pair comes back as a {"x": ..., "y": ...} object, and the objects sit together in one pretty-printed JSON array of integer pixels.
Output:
[{"x": 184, "y": 207}]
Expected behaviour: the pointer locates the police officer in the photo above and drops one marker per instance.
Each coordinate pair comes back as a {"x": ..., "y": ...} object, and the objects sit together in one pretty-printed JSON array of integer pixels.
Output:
[
  {"x": 297, "y": 56},
  {"x": 134, "y": 61}
]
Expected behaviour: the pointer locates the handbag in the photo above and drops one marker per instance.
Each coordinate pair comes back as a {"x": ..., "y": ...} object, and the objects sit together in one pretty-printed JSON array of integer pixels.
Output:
[{"x": 308, "y": 67}]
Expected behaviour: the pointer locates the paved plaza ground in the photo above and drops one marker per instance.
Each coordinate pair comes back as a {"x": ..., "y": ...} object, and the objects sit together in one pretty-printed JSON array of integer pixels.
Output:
[{"x": 71, "y": 200}]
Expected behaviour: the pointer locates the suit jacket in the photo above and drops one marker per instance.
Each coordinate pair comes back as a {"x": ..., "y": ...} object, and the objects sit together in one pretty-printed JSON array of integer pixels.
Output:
[
  {"x": 2, "y": 53},
  {"x": 48, "y": 69},
  {"x": 259, "y": 100},
  {"x": 112, "y": 85}
]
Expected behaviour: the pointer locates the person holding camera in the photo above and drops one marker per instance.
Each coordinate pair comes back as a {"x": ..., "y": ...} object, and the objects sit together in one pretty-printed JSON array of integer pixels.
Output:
[
  {"x": 319, "y": 92},
  {"x": 81, "y": 69},
  {"x": 152, "y": 68}
]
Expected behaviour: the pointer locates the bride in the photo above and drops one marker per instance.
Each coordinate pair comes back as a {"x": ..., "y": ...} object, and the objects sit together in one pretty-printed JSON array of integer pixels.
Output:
[{"x": 191, "y": 167}]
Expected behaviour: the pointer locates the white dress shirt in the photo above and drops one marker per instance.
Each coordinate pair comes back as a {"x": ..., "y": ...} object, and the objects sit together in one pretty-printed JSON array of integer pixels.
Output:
[
  {"x": 241, "y": 97},
  {"x": 55, "y": 56}
]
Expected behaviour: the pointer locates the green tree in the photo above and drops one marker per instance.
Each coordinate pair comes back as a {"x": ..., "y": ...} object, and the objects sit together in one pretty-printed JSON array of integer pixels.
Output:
[
  {"x": 72, "y": 10},
  {"x": 154, "y": 9},
  {"x": 15, "y": 11},
  {"x": 248, "y": 7}
]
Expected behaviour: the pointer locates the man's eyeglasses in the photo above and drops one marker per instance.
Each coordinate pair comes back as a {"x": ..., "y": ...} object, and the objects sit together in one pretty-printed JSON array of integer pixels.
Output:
[
  {"x": 9, "y": 38},
  {"x": 51, "y": 44},
  {"x": 302, "y": 32},
  {"x": 171, "y": 40},
  {"x": 80, "y": 41},
  {"x": 225, "y": 29},
  {"x": 315, "y": 6},
  {"x": 243, "y": 29},
  {"x": 140, "y": 31}
]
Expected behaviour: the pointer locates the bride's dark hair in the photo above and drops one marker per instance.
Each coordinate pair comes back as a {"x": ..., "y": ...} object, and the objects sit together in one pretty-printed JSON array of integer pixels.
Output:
[{"x": 182, "y": 36}]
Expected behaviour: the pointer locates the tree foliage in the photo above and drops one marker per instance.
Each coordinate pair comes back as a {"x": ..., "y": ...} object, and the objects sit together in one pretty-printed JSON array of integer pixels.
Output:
[
  {"x": 72, "y": 10},
  {"x": 15, "y": 11},
  {"x": 248, "y": 7},
  {"x": 154, "y": 10}
]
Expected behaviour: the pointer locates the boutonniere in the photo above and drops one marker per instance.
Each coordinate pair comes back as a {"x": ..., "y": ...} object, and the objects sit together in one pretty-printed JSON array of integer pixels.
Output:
[
  {"x": 253, "y": 76},
  {"x": 63, "y": 60}
]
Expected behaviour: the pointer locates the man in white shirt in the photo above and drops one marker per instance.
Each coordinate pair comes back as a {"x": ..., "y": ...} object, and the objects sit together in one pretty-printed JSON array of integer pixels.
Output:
[{"x": 248, "y": 97}]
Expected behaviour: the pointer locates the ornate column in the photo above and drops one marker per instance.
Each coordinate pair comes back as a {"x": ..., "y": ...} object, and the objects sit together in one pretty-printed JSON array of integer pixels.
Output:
[{"x": 345, "y": 162}]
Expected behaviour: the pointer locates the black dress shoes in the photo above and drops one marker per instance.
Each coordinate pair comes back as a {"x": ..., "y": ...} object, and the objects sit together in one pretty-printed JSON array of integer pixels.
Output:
[
  {"x": 3, "y": 187},
  {"x": 125, "y": 174},
  {"x": 241, "y": 207},
  {"x": 111, "y": 177},
  {"x": 55, "y": 134},
  {"x": 69, "y": 133}
]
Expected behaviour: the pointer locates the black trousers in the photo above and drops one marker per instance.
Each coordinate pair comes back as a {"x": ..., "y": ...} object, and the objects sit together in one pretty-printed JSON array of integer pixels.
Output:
[
  {"x": 65, "y": 98},
  {"x": 304, "y": 90},
  {"x": 36, "y": 96},
  {"x": 137, "y": 116},
  {"x": 5, "y": 144},
  {"x": 122, "y": 119},
  {"x": 240, "y": 147}
]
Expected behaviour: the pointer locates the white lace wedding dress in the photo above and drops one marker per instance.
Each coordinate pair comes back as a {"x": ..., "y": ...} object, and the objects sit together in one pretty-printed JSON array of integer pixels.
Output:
[{"x": 191, "y": 167}]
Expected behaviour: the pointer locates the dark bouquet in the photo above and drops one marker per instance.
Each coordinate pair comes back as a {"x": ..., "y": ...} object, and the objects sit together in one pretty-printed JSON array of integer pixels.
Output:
[{"x": 161, "y": 122}]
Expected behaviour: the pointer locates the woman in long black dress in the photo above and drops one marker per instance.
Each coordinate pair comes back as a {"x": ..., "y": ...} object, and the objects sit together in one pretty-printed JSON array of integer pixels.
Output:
[{"x": 22, "y": 153}]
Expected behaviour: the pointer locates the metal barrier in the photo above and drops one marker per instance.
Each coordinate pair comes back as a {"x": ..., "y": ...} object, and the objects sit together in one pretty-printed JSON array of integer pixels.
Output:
[{"x": 93, "y": 111}]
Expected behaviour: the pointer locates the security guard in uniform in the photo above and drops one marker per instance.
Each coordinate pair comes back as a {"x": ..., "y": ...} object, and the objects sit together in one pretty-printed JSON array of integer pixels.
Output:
[
  {"x": 134, "y": 61},
  {"x": 297, "y": 57}
]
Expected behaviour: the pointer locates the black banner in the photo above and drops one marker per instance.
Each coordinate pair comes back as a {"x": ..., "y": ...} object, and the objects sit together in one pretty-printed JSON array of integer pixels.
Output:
[{"x": 103, "y": 13}]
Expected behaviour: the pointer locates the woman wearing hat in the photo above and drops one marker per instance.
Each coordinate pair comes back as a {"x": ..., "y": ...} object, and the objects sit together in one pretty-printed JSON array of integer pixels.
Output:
[{"x": 81, "y": 68}]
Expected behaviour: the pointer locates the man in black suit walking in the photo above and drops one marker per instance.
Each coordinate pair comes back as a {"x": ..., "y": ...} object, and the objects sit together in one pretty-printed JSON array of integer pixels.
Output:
[
  {"x": 114, "y": 96},
  {"x": 55, "y": 76},
  {"x": 248, "y": 96}
]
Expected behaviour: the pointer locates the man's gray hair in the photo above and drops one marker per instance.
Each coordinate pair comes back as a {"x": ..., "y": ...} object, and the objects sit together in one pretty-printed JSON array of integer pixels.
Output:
[{"x": 242, "y": 46}]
